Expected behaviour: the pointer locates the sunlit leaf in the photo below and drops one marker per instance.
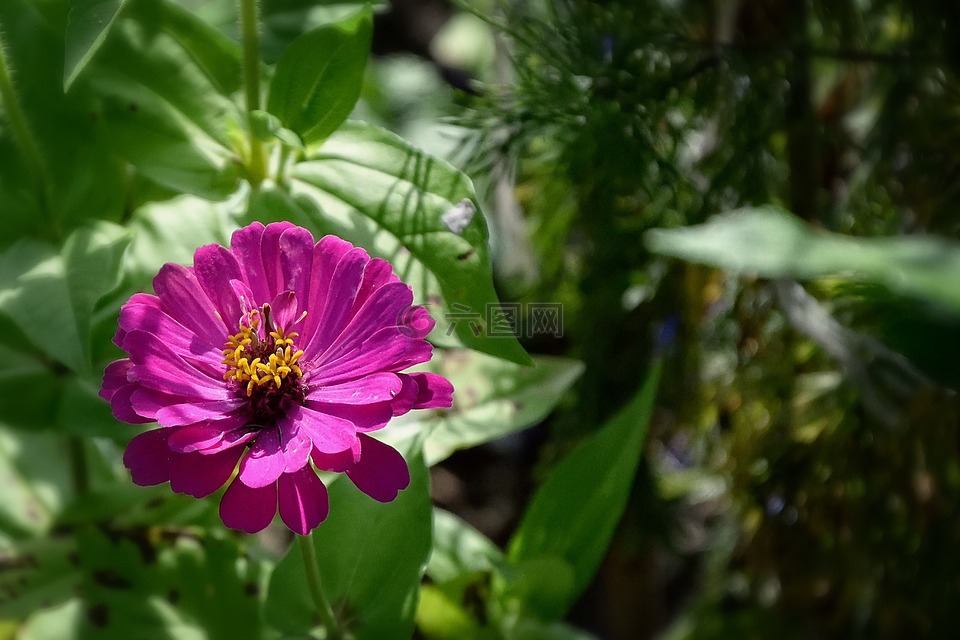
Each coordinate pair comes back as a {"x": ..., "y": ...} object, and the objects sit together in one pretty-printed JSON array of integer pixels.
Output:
[
  {"x": 318, "y": 78},
  {"x": 492, "y": 398},
  {"x": 373, "y": 189},
  {"x": 36, "y": 574},
  {"x": 35, "y": 476},
  {"x": 772, "y": 243},
  {"x": 570, "y": 521},
  {"x": 87, "y": 28},
  {"x": 371, "y": 558}
]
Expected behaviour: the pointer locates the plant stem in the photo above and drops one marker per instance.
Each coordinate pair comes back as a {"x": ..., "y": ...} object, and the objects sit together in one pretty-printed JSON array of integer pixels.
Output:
[
  {"x": 21, "y": 130},
  {"x": 249, "y": 27},
  {"x": 324, "y": 610}
]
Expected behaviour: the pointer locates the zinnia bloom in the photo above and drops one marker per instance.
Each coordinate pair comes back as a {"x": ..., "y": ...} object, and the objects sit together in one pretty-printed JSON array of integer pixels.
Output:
[{"x": 278, "y": 354}]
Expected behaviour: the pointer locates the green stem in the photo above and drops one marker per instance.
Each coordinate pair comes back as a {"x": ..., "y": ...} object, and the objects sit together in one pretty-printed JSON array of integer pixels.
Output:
[
  {"x": 78, "y": 466},
  {"x": 324, "y": 610},
  {"x": 249, "y": 27},
  {"x": 21, "y": 130}
]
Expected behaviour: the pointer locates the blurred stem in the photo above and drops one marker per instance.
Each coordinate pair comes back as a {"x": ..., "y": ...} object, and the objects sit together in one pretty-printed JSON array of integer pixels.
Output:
[
  {"x": 324, "y": 610},
  {"x": 78, "y": 466},
  {"x": 21, "y": 130},
  {"x": 250, "y": 30}
]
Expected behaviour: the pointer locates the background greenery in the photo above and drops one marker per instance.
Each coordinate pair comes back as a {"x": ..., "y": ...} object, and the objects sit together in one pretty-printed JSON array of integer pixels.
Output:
[{"x": 746, "y": 208}]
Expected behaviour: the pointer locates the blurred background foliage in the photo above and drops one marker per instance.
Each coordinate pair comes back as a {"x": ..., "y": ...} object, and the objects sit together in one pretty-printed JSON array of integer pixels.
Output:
[
  {"x": 800, "y": 476},
  {"x": 801, "y": 479}
]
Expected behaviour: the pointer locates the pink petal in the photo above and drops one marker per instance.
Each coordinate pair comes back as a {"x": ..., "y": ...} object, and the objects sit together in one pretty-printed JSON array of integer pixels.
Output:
[
  {"x": 338, "y": 303},
  {"x": 363, "y": 417},
  {"x": 296, "y": 256},
  {"x": 199, "y": 475},
  {"x": 153, "y": 320},
  {"x": 161, "y": 369},
  {"x": 185, "y": 301},
  {"x": 378, "y": 387},
  {"x": 179, "y": 414},
  {"x": 303, "y": 500},
  {"x": 329, "y": 434},
  {"x": 337, "y": 461},
  {"x": 264, "y": 463},
  {"x": 326, "y": 254},
  {"x": 114, "y": 377},
  {"x": 193, "y": 437},
  {"x": 270, "y": 254},
  {"x": 386, "y": 350},
  {"x": 381, "y": 472},
  {"x": 122, "y": 406},
  {"x": 377, "y": 273},
  {"x": 283, "y": 310},
  {"x": 232, "y": 438},
  {"x": 246, "y": 509},
  {"x": 296, "y": 447},
  {"x": 148, "y": 458},
  {"x": 245, "y": 245},
  {"x": 215, "y": 267},
  {"x": 407, "y": 398},
  {"x": 416, "y": 322},
  {"x": 433, "y": 391}
]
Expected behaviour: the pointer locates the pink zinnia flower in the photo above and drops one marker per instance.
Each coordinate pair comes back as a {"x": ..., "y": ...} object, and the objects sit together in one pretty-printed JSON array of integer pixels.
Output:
[{"x": 278, "y": 354}]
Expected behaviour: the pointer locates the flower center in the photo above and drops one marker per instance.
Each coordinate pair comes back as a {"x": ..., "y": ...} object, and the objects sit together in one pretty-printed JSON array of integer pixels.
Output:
[{"x": 263, "y": 358}]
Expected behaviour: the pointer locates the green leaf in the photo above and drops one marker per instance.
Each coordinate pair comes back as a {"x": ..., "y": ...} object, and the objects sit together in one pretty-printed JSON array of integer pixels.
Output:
[
  {"x": 84, "y": 180},
  {"x": 318, "y": 78},
  {"x": 492, "y": 398},
  {"x": 166, "y": 81},
  {"x": 772, "y": 243},
  {"x": 567, "y": 527},
  {"x": 180, "y": 585},
  {"x": 34, "y": 474},
  {"x": 87, "y": 27},
  {"x": 375, "y": 190},
  {"x": 36, "y": 573},
  {"x": 51, "y": 297},
  {"x": 459, "y": 549},
  {"x": 371, "y": 558}
]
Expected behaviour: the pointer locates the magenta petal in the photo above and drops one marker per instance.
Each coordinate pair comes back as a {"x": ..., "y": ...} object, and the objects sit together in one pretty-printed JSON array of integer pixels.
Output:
[
  {"x": 199, "y": 475},
  {"x": 185, "y": 301},
  {"x": 363, "y": 417},
  {"x": 193, "y": 437},
  {"x": 264, "y": 463},
  {"x": 157, "y": 367},
  {"x": 148, "y": 458},
  {"x": 337, "y": 461},
  {"x": 407, "y": 398},
  {"x": 122, "y": 405},
  {"x": 329, "y": 434},
  {"x": 386, "y": 350},
  {"x": 114, "y": 377},
  {"x": 381, "y": 472},
  {"x": 326, "y": 254},
  {"x": 283, "y": 309},
  {"x": 343, "y": 287},
  {"x": 270, "y": 254},
  {"x": 215, "y": 267},
  {"x": 303, "y": 500},
  {"x": 296, "y": 255},
  {"x": 245, "y": 244},
  {"x": 433, "y": 391},
  {"x": 246, "y": 509},
  {"x": 377, "y": 387},
  {"x": 154, "y": 320},
  {"x": 178, "y": 414},
  {"x": 296, "y": 447},
  {"x": 233, "y": 437},
  {"x": 377, "y": 273}
]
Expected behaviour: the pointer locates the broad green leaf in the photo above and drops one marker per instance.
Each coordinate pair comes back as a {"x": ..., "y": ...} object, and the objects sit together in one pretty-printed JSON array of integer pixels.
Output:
[
  {"x": 772, "y": 243},
  {"x": 51, "y": 297},
  {"x": 83, "y": 179},
  {"x": 318, "y": 78},
  {"x": 35, "y": 476},
  {"x": 371, "y": 558},
  {"x": 87, "y": 28},
  {"x": 492, "y": 398},
  {"x": 177, "y": 586},
  {"x": 373, "y": 189},
  {"x": 459, "y": 549},
  {"x": 166, "y": 81},
  {"x": 570, "y": 521},
  {"x": 37, "y": 573}
]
